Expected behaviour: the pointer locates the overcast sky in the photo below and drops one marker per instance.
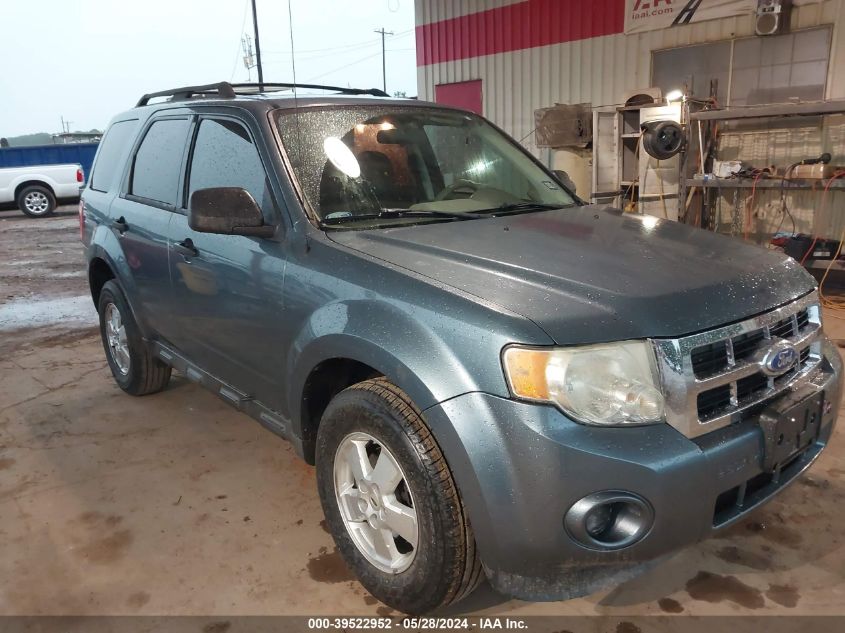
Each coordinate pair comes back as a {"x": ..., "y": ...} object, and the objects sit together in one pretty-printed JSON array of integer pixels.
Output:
[{"x": 87, "y": 60}]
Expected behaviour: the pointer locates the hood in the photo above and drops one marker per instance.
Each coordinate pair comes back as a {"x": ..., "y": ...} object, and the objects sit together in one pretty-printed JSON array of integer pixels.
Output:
[{"x": 590, "y": 274}]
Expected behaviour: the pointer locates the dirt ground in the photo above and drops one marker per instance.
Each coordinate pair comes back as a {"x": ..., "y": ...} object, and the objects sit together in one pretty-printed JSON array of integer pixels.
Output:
[{"x": 177, "y": 504}]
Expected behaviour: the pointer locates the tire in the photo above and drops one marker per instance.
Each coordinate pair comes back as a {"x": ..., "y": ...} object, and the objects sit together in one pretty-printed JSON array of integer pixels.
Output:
[
  {"x": 134, "y": 367},
  {"x": 36, "y": 201},
  {"x": 442, "y": 567}
]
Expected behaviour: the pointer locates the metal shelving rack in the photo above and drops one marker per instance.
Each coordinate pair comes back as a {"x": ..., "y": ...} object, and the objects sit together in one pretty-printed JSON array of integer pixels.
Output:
[
  {"x": 624, "y": 167},
  {"x": 774, "y": 111},
  {"x": 771, "y": 183}
]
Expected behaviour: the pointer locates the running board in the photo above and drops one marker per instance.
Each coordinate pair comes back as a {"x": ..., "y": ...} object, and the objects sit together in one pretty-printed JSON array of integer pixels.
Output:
[{"x": 268, "y": 418}]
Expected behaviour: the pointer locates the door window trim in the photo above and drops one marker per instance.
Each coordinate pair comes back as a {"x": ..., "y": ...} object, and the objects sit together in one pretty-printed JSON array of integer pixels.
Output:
[
  {"x": 128, "y": 177},
  {"x": 271, "y": 216}
]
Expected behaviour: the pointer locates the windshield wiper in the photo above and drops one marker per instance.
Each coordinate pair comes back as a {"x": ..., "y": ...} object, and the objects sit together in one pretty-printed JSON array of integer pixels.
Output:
[
  {"x": 403, "y": 213},
  {"x": 515, "y": 207}
]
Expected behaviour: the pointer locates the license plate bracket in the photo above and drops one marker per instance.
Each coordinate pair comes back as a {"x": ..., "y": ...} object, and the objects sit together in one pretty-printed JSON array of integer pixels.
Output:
[{"x": 790, "y": 426}]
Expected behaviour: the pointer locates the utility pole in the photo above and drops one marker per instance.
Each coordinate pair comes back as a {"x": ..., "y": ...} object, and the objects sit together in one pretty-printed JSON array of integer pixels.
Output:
[
  {"x": 383, "y": 58},
  {"x": 257, "y": 48},
  {"x": 249, "y": 58}
]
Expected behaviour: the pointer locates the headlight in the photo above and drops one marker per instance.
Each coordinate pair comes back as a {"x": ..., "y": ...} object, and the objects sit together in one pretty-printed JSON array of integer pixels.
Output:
[{"x": 609, "y": 385}]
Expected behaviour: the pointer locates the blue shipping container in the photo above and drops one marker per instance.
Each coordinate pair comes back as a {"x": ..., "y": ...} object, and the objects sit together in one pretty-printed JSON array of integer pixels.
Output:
[{"x": 82, "y": 153}]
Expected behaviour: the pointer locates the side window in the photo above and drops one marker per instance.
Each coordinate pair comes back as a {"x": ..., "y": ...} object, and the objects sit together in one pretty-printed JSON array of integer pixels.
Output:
[
  {"x": 155, "y": 173},
  {"x": 224, "y": 156},
  {"x": 109, "y": 153}
]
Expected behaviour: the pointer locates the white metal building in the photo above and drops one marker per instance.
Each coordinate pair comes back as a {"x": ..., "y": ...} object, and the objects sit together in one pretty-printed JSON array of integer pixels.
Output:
[{"x": 507, "y": 58}]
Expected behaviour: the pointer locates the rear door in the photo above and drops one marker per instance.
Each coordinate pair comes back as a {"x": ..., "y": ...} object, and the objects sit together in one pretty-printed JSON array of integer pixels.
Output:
[
  {"x": 228, "y": 288},
  {"x": 141, "y": 215},
  {"x": 104, "y": 182}
]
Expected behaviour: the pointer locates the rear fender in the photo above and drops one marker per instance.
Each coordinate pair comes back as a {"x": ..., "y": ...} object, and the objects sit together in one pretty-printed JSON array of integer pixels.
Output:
[{"x": 104, "y": 245}]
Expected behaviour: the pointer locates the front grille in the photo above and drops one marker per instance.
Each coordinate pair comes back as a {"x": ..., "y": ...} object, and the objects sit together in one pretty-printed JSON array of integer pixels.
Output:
[
  {"x": 715, "y": 358},
  {"x": 713, "y": 401},
  {"x": 716, "y": 377}
]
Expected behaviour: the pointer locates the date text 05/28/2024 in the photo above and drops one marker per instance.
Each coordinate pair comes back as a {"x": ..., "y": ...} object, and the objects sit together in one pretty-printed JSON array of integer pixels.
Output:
[{"x": 416, "y": 623}]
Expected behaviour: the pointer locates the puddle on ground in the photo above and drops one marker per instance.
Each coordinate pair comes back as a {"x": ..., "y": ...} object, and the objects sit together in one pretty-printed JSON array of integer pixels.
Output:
[
  {"x": 715, "y": 588},
  {"x": 669, "y": 605},
  {"x": 734, "y": 555},
  {"x": 329, "y": 567},
  {"x": 784, "y": 595},
  {"x": 30, "y": 312}
]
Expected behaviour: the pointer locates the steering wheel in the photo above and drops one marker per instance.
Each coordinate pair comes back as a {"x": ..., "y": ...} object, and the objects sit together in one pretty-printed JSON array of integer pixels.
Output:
[{"x": 456, "y": 187}]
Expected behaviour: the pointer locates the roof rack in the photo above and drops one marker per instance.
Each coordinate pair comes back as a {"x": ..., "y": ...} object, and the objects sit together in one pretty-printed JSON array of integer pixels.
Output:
[
  {"x": 226, "y": 90},
  {"x": 222, "y": 89},
  {"x": 270, "y": 87}
]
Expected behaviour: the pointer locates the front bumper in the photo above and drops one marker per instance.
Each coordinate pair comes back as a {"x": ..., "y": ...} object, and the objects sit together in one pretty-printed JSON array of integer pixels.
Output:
[{"x": 520, "y": 467}]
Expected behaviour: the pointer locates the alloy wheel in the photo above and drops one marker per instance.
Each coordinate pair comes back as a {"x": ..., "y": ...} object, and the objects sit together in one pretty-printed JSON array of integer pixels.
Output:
[
  {"x": 36, "y": 203},
  {"x": 376, "y": 503},
  {"x": 116, "y": 337}
]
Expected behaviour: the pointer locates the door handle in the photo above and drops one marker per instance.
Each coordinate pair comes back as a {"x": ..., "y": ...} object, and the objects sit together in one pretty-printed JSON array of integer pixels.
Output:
[
  {"x": 186, "y": 248},
  {"x": 120, "y": 225}
]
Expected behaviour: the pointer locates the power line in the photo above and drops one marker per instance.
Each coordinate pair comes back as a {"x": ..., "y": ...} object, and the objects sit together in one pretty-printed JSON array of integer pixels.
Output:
[
  {"x": 334, "y": 70},
  {"x": 331, "y": 50},
  {"x": 237, "y": 51},
  {"x": 356, "y": 44}
]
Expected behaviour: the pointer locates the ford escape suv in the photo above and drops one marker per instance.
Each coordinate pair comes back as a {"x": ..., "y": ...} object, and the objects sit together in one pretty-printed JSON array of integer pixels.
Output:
[{"x": 492, "y": 377}]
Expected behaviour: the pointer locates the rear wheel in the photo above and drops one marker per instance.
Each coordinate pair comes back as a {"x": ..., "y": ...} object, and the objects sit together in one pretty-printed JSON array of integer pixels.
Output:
[
  {"x": 36, "y": 201},
  {"x": 391, "y": 502},
  {"x": 130, "y": 359}
]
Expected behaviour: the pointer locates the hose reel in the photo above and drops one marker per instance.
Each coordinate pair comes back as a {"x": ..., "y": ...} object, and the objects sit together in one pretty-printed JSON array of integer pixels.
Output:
[{"x": 662, "y": 139}]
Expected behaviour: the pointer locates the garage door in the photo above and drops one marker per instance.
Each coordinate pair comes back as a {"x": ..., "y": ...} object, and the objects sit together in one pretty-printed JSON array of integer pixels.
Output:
[{"x": 463, "y": 94}]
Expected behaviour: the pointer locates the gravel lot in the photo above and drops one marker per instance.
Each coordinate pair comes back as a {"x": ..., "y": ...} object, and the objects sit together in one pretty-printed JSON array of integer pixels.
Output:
[{"x": 176, "y": 504}]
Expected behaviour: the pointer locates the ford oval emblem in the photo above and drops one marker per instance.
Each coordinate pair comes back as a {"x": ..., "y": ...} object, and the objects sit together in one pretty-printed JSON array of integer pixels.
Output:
[{"x": 779, "y": 358}]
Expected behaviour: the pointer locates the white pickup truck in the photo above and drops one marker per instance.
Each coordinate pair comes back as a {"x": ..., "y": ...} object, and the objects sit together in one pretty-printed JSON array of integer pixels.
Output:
[{"x": 36, "y": 188}]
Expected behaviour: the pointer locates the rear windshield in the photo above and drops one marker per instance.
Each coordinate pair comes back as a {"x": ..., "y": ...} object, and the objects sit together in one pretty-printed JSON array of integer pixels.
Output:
[{"x": 365, "y": 159}]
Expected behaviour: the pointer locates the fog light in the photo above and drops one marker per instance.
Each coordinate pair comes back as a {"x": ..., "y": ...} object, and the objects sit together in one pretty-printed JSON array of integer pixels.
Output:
[
  {"x": 609, "y": 520},
  {"x": 598, "y": 520}
]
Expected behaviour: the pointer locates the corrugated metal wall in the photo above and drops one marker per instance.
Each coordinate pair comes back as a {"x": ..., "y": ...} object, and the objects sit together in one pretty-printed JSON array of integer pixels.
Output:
[{"x": 603, "y": 70}]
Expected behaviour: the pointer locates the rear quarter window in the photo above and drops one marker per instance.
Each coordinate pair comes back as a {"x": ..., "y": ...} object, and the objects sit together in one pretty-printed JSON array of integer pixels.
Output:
[
  {"x": 155, "y": 171},
  {"x": 110, "y": 154}
]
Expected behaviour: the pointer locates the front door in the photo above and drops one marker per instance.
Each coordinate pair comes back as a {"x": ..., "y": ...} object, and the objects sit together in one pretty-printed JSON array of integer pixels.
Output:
[{"x": 228, "y": 288}]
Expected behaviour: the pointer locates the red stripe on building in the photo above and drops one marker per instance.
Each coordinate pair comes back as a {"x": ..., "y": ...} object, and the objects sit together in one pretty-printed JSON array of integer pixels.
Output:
[{"x": 516, "y": 27}]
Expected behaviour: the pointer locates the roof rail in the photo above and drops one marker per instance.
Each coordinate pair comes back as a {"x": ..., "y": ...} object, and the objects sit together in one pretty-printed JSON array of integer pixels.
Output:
[
  {"x": 226, "y": 90},
  {"x": 270, "y": 87},
  {"x": 222, "y": 89}
]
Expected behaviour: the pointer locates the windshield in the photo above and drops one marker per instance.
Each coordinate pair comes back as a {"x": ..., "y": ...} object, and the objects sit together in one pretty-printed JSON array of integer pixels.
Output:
[{"x": 358, "y": 162}]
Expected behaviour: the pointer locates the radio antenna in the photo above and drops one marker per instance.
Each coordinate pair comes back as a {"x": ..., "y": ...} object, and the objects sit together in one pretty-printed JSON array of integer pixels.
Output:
[
  {"x": 292, "y": 51},
  {"x": 295, "y": 96}
]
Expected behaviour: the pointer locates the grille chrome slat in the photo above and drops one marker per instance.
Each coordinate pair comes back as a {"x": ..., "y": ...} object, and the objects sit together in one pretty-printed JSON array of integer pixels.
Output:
[
  {"x": 729, "y": 347},
  {"x": 748, "y": 368},
  {"x": 714, "y": 378}
]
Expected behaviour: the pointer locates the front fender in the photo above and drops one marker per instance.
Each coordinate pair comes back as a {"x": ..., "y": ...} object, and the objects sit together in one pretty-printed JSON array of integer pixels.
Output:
[{"x": 391, "y": 341}]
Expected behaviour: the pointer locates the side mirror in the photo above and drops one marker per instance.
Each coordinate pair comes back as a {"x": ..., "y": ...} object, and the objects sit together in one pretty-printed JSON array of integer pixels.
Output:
[
  {"x": 393, "y": 137},
  {"x": 564, "y": 179},
  {"x": 227, "y": 211}
]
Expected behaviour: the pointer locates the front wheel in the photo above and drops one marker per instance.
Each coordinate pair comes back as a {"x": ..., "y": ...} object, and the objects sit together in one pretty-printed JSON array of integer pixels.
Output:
[
  {"x": 391, "y": 502},
  {"x": 36, "y": 201}
]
